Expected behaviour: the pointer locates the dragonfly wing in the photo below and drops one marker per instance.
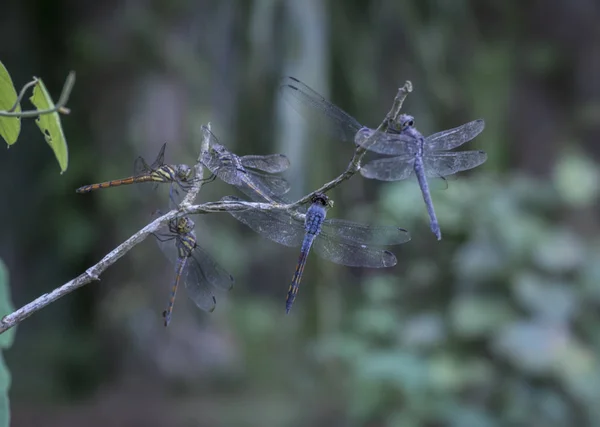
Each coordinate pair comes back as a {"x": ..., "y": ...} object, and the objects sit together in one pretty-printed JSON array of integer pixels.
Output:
[
  {"x": 320, "y": 112},
  {"x": 389, "y": 169},
  {"x": 204, "y": 277},
  {"x": 443, "y": 164},
  {"x": 257, "y": 186},
  {"x": 346, "y": 252},
  {"x": 391, "y": 144},
  {"x": 274, "y": 225},
  {"x": 276, "y": 184},
  {"x": 365, "y": 234},
  {"x": 452, "y": 138},
  {"x": 167, "y": 243},
  {"x": 140, "y": 167},
  {"x": 272, "y": 163}
]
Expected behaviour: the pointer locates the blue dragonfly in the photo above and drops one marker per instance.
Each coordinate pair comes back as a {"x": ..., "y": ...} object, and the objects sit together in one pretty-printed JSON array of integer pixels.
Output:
[
  {"x": 202, "y": 276},
  {"x": 414, "y": 155},
  {"x": 247, "y": 173},
  {"x": 343, "y": 242}
]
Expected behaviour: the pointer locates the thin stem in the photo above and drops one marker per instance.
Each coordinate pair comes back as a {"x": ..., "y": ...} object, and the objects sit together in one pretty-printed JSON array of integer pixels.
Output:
[
  {"x": 58, "y": 107},
  {"x": 22, "y": 94}
]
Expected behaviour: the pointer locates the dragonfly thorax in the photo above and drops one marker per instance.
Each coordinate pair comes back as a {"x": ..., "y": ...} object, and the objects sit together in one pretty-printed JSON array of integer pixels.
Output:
[{"x": 181, "y": 225}]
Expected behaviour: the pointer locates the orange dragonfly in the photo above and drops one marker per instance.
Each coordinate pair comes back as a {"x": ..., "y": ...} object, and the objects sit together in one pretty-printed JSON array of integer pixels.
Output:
[{"x": 158, "y": 172}]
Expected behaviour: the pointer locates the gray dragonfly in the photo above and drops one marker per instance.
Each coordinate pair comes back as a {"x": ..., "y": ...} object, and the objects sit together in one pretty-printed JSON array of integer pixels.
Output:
[
  {"x": 246, "y": 172},
  {"x": 414, "y": 155},
  {"x": 343, "y": 242}
]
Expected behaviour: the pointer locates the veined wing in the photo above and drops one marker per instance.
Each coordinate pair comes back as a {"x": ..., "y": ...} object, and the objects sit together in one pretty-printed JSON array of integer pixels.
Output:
[
  {"x": 389, "y": 169},
  {"x": 452, "y": 138},
  {"x": 352, "y": 254},
  {"x": 391, "y": 144},
  {"x": 363, "y": 233},
  {"x": 276, "y": 184},
  {"x": 140, "y": 167},
  {"x": 167, "y": 242},
  {"x": 315, "y": 108},
  {"x": 203, "y": 276},
  {"x": 274, "y": 225},
  {"x": 443, "y": 164},
  {"x": 272, "y": 163},
  {"x": 255, "y": 185}
]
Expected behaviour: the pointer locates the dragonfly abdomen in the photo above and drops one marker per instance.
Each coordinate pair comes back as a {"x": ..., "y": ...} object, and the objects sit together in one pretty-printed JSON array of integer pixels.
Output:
[
  {"x": 178, "y": 271},
  {"x": 295, "y": 285},
  {"x": 117, "y": 182},
  {"x": 421, "y": 178}
]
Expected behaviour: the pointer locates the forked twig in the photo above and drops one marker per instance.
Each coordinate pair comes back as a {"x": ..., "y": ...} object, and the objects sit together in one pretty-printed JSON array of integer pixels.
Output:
[{"x": 186, "y": 208}]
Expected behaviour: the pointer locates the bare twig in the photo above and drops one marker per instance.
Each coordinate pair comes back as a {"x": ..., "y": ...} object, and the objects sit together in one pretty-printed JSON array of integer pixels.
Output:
[
  {"x": 186, "y": 208},
  {"x": 90, "y": 275},
  {"x": 198, "y": 174},
  {"x": 58, "y": 107}
]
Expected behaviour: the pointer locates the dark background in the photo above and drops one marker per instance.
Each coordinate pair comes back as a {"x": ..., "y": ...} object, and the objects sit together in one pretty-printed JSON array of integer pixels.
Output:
[{"x": 496, "y": 325}]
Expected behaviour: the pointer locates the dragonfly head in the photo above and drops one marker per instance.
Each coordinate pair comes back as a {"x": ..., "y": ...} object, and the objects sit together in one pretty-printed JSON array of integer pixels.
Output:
[
  {"x": 184, "y": 172},
  {"x": 322, "y": 199},
  {"x": 404, "y": 123}
]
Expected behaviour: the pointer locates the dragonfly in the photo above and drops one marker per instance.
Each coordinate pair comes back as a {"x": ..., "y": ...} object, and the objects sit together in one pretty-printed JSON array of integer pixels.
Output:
[
  {"x": 343, "y": 242},
  {"x": 414, "y": 155},
  {"x": 246, "y": 172},
  {"x": 201, "y": 275},
  {"x": 156, "y": 173}
]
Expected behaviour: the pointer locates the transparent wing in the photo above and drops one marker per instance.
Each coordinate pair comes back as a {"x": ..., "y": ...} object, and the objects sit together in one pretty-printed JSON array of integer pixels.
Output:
[
  {"x": 276, "y": 184},
  {"x": 353, "y": 255},
  {"x": 255, "y": 185},
  {"x": 167, "y": 242},
  {"x": 442, "y": 164},
  {"x": 274, "y": 225},
  {"x": 272, "y": 163},
  {"x": 452, "y": 138},
  {"x": 203, "y": 276},
  {"x": 140, "y": 167},
  {"x": 318, "y": 111},
  {"x": 391, "y": 144},
  {"x": 365, "y": 234},
  {"x": 389, "y": 169}
]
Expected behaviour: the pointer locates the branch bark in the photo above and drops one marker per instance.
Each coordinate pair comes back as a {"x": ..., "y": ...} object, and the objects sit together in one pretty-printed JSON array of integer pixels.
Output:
[{"x": 187, "y": 208}]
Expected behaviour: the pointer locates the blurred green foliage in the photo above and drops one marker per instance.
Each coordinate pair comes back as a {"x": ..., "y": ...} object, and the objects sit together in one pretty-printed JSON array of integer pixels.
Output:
[{"x": 6, "y": 340}]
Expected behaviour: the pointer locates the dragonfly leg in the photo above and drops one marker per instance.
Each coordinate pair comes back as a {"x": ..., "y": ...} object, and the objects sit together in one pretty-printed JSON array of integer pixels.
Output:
[{"x": 163, "y": 238}]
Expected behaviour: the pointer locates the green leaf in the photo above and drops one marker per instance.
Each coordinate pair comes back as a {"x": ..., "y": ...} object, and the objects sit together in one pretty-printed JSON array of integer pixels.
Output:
[
  {"x": 6, "y": 307},
  {"x": 10, "y": 127},
  {"x": 50, "y": 125}
]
